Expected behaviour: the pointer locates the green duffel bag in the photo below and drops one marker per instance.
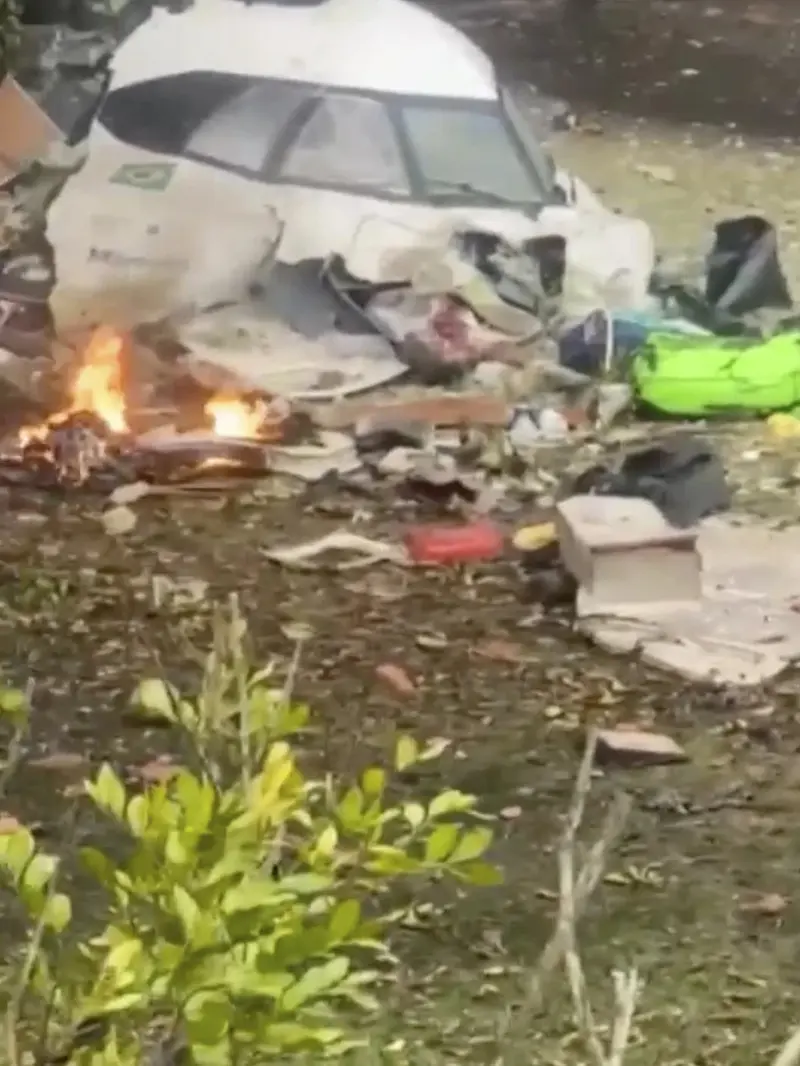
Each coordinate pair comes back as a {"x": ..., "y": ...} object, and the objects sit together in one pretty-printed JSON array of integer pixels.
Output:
[{"x": 704, "y": 376}]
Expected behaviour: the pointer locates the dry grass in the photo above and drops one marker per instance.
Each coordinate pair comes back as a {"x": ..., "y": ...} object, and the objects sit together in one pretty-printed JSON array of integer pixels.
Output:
[{"x": 603, "y": 1043}]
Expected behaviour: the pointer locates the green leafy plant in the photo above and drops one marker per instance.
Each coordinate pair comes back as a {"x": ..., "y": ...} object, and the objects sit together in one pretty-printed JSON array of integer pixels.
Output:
[
  {"x": 248, "y": 911},
  {"x": 10, "y": 28}
]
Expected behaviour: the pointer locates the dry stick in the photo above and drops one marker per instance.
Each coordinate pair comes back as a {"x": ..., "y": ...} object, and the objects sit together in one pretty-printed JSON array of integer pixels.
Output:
[
  {"x": 626, "y": 994},
  {"x": 789, "y": 1055},
  {"x": 586, "y": 882},
  {"x": 626, "y": 986},
  {"x": 573, "y": 895},
  {"x": 567, "y": 919},
  {"x": 590, "y": 873},
  {"x": 581, "y": 1004}
]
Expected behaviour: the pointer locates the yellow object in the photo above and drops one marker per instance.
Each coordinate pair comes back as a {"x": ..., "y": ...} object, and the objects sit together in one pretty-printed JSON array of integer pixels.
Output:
[
  {"x": 784, "y": 425},
  {"x": 534, "y": 538}
]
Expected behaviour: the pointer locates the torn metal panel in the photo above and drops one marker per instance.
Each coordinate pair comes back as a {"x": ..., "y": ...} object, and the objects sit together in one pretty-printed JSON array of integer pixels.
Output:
[
  {"x": 255, "y": 351},
  {"x": 607, "y": 263}
]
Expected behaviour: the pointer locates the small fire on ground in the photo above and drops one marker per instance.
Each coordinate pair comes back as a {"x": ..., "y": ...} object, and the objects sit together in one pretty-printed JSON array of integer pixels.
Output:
[{"x": 93, "y": 431}]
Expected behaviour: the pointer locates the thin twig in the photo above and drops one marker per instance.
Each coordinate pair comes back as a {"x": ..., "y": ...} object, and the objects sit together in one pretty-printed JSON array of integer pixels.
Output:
[
  {"x": 626, "y": 986},
  {"x": 590, "y": 872},
  {"x": 626, "y": 994},
  {"x": 789, "y": 1055},
  {"x": 567, "y": 920},
  {"x": 575, "y": 890}
]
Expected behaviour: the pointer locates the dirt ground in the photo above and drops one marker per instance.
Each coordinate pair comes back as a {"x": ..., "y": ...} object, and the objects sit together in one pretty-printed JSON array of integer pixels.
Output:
[
  {"x": 705, "y": 842},
  {"x": 732, "y": 65}
]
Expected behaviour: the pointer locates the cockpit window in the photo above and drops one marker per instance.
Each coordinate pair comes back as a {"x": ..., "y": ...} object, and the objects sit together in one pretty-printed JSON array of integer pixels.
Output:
[
  {"x": 348, "y": 141},
  {"x": 519, "y": 102},
  {"x": 469, "y": 152},
  {"x": 243, "y": 131},
  {"x": 438, "y": 150}
]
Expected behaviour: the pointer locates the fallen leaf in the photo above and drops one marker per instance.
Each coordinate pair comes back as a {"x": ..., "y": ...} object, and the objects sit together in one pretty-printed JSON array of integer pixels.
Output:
[
  {"x": 129, "y": 493},
  {"x": 156, "y": 772},
  {"x": 553, "y": 711},
  {"x": 769, "y": 905},
  {"x": 502, "y": 651},
  {"x": 118, "y": 521},
  {"x": 298, "y": 632},
  {"x": 510, "y": 813},
  {"x": 396, "y": 678},
  {"x": 633, "y": 747},
  {"x": 30, "y": 518},
  {"x": 431, "y": 641}
]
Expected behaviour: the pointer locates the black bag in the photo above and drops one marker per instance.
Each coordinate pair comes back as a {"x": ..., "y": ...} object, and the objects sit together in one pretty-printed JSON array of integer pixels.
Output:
[{"x": 743, "y": 272}]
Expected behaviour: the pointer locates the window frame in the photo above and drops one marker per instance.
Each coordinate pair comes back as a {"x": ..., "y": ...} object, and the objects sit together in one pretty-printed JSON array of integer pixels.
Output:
[
  {"x": 548, "y": 175},
  {"x": 277, "y": 146},
  {"x": 237, "y": 82},
  {"x": 294, "y": 130},
  {"x": 496, "y": 109},
  {"x": 393, "y": 105}
]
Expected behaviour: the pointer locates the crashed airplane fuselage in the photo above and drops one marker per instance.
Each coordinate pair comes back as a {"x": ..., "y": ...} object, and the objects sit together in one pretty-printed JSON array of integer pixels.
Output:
[{"x": 233, "y": 132}]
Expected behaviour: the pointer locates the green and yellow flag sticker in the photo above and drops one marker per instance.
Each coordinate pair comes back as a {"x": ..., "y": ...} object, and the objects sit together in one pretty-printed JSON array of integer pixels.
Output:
[{"x": 154, "y": 176}]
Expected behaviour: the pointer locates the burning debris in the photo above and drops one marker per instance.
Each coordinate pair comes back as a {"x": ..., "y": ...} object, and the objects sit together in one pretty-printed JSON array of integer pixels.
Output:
[{"x": 94, "y": 441}]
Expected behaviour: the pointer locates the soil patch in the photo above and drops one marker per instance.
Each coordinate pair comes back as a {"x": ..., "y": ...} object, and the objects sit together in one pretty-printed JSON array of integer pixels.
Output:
[
  {"x": 731, "y": 64},
  {"x": 705, "y": 839}
]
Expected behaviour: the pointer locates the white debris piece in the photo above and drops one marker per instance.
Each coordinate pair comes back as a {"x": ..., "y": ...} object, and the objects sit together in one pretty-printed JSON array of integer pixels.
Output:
[
  {"x": 335, "y": 453},
  {"x": 254, "y": 351},
  {"x": 634, "y": 747},
  {"x": 626, "y": 557},
  {"x": 746, "y": 628}
]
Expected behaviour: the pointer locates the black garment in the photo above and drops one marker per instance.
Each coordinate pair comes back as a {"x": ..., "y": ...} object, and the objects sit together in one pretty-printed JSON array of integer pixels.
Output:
[{"x": 682, "y": 476}]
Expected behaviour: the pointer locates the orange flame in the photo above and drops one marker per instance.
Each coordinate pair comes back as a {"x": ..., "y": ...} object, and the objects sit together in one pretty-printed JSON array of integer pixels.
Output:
[
  {"x": 98, "y": 384},
  {"x": 98, "y": 389},
  {"x": 236, "y": 418}
]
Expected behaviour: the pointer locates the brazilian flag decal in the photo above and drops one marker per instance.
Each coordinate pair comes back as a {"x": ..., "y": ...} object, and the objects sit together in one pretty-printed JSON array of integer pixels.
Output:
[{"x": 155, "y": 176}]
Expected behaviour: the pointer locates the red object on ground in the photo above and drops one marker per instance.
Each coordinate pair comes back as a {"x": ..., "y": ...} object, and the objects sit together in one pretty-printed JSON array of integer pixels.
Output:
[{"x": 454, "y": 544}]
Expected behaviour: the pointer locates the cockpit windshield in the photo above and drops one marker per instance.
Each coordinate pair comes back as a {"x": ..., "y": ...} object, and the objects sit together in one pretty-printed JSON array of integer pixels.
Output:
[{"x": 468, "y": 152}]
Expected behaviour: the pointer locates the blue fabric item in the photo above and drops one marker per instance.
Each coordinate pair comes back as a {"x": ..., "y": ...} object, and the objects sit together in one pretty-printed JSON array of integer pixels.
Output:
[
  {"x": 654, "y": 324},
  {"x": 582, "y": 347}
]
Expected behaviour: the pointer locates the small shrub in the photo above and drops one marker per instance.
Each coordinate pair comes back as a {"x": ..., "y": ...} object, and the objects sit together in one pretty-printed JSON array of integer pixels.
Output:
[
  {"x": 248, "y": 914},
  {"x": 10, "y": 28}
]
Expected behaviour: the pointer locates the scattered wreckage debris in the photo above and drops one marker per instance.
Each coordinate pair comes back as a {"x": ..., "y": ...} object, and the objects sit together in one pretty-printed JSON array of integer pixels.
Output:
[
  {"x": 715, "y": 604},
  {"x": 635, "y": 747},
  {"x": 443, "y": 409},
  {"x": 340, "y": 550},
  {"x": 472, "y": 542}
]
